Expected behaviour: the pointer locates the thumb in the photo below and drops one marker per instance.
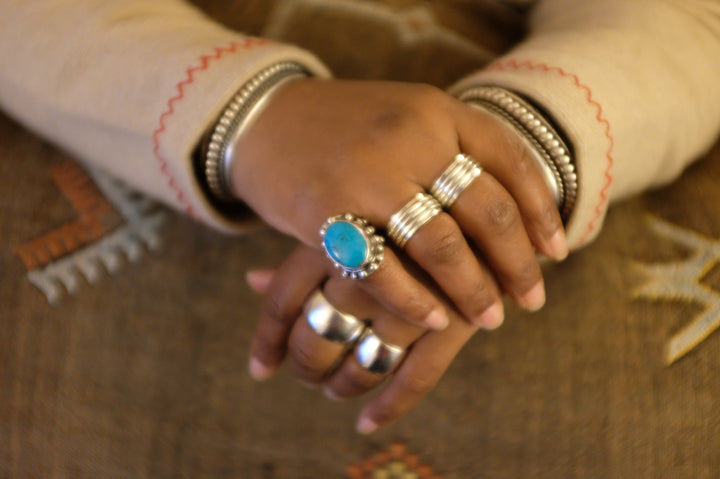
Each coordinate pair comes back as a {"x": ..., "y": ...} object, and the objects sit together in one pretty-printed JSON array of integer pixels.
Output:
[{"x": 259, "y": 279}]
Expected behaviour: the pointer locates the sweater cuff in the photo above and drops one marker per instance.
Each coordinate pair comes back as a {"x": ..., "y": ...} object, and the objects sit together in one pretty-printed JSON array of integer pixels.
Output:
[{"x": 202, "y": 92}]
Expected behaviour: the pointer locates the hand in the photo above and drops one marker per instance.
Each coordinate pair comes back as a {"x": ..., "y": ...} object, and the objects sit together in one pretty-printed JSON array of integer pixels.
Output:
[
  {"x": 326, "y": 147},
  {"x": 282, "y": 332}
]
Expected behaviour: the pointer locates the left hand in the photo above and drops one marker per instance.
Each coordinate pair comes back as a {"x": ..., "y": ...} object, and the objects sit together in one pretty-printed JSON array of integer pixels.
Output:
[{"x": 282, "y": 331}]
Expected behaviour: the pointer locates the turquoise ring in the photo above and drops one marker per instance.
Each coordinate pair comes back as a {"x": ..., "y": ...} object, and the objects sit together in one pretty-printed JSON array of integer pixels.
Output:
[{"x": 352, "y": 245}]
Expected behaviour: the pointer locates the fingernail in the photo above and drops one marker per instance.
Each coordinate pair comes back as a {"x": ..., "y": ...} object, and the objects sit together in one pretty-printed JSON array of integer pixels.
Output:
[
  {"x": 258, "y": 371},
  {"x": 330, "y": 394},
  {"x": 366, "y": 426},
  {"x": 491, "y": 318},
  {"x": 259, "y": 279},
  {"x": 533, "y": 299},
  {"x": 558, "y": 245},
  {"x": 437, "y": 319},
  {"x": 309, "y": 385}
]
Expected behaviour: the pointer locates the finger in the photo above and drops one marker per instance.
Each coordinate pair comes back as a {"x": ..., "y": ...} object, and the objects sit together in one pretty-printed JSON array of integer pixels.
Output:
[
  {"x": 403, "y": 295},
  {"x": 418, "y": 374},
  {"x": 512, "y": 163},
  {"x": 350, "y": 378},
  {"x": 489, "y": 215},
  {"x": 441, "y": 249},
  {"x": 310, "y": 356},
  {"x": 286, "y": 294}
]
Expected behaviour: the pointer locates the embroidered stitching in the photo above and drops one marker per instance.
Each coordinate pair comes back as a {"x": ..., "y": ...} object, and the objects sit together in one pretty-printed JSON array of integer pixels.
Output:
[
  {"x": 204, "y": 64},
  {"x": 95, "y": 218},
  {"x": 682, "y": 280},
  {"x": 599, "y": 208},
  {"x": 114, "y": 223},
  {"x": 395, "y": 461}
]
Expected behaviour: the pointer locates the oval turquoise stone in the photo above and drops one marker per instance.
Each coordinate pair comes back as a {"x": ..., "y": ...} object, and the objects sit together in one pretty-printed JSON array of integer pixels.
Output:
[{"x": 346, "y": 244}]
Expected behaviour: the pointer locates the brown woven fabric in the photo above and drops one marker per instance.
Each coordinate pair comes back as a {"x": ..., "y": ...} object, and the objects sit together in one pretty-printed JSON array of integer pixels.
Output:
[{"x": 142, "y": 375}]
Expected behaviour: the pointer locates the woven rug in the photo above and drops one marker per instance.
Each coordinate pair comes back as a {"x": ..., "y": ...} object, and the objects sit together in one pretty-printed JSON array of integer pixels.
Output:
[{"x": 124, "y": 327}]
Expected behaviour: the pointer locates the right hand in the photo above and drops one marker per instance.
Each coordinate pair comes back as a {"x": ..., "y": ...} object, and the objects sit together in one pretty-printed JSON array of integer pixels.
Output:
[{"x": 327, "y": 147}]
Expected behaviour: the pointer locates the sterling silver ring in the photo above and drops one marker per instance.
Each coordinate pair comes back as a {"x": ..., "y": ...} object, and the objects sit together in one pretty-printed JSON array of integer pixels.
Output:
[
  {"x": 375, "y": 355},
  {"x": 329, "y": 322},
  {"x": 411, "y": 217},
  {"x": 455, "y": 179}
]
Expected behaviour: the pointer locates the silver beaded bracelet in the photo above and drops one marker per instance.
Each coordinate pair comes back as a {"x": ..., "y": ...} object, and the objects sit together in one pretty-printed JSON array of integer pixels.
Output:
[
  {"x": 244, "y": 106},
  {"x": 549, "y": 148}
]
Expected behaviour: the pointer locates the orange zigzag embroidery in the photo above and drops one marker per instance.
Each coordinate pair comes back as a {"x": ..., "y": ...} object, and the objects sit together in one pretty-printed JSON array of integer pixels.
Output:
[
  {"x": 204, "y": 64},
  {"x": 602, "y": 201}
]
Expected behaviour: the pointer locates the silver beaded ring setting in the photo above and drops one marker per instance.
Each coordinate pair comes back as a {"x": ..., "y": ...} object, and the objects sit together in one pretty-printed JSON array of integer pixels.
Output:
[{"x": 352, "y": 244}]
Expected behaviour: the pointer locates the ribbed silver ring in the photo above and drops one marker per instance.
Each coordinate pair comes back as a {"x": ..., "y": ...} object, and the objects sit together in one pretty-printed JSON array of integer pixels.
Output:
[
  {"x": 331, "y": 323},
  {"x": 455, "y": 179},
  {"x": 376, "y": 355},
  {"x": 411, "y": 217}
]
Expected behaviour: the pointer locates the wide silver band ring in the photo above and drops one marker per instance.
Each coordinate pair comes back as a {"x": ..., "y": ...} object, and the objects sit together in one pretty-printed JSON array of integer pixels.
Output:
[
  {"x": 329, "y": 322},
  {"x": 375, "y": 355},
  {"x": 455, "y": 179},
  {"x": 411, "y": 217}
]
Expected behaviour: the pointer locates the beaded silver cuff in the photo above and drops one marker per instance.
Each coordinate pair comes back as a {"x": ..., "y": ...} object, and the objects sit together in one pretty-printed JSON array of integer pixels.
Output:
[
  {"x": 551, "y": 150},
  {"x": 235, "y": 118}
]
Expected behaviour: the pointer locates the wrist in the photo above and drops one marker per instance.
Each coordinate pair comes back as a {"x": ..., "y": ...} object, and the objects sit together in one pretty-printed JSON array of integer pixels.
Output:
[{"x": 217, "y": 151}]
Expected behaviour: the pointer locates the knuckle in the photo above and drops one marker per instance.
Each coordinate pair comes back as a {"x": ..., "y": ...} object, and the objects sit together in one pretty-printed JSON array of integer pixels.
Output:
[
  {"x": 414, "y": 307},
  {"x": 527, "y": 274},
  {"x": 390, "y": 118},
  {"x": 418, "y": 383},
  {"x": 273, "y": 308},
  {"x": 522, "y": 160},
  {"x": 549, "y": 218},
  {"x": 447, "y": 248},
  {"x": 512, "y": 149},
  {"x": 425, "y": 92},
  {"x": 481, "y": 297},
  {"x": 306, "y": 363},
  {"x": 501, "y": 216},
  {"x": 407, "y": 301},
  {"x": 264, "y": 348}
]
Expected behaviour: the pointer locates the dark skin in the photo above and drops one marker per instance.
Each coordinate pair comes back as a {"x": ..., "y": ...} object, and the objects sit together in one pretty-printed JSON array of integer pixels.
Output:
[
  {"x": 327, "y": 147},
  {"x": 378, "y": 145},
  {"x": 283, "y": 334}
]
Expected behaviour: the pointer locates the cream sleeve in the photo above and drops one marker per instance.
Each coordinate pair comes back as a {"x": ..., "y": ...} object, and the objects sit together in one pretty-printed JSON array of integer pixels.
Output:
[
  {"x": 634, "y": 85},
  {"x": 129, "y": 85}
]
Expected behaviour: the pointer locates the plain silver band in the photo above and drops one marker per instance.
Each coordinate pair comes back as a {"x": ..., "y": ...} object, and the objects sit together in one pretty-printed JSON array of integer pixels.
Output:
[
  {"x": 416, "y": 212},
  {"x": 455, "y": 179},
  {"x": 329, "y": 322},
  {"x": 375, "y": 355}
]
